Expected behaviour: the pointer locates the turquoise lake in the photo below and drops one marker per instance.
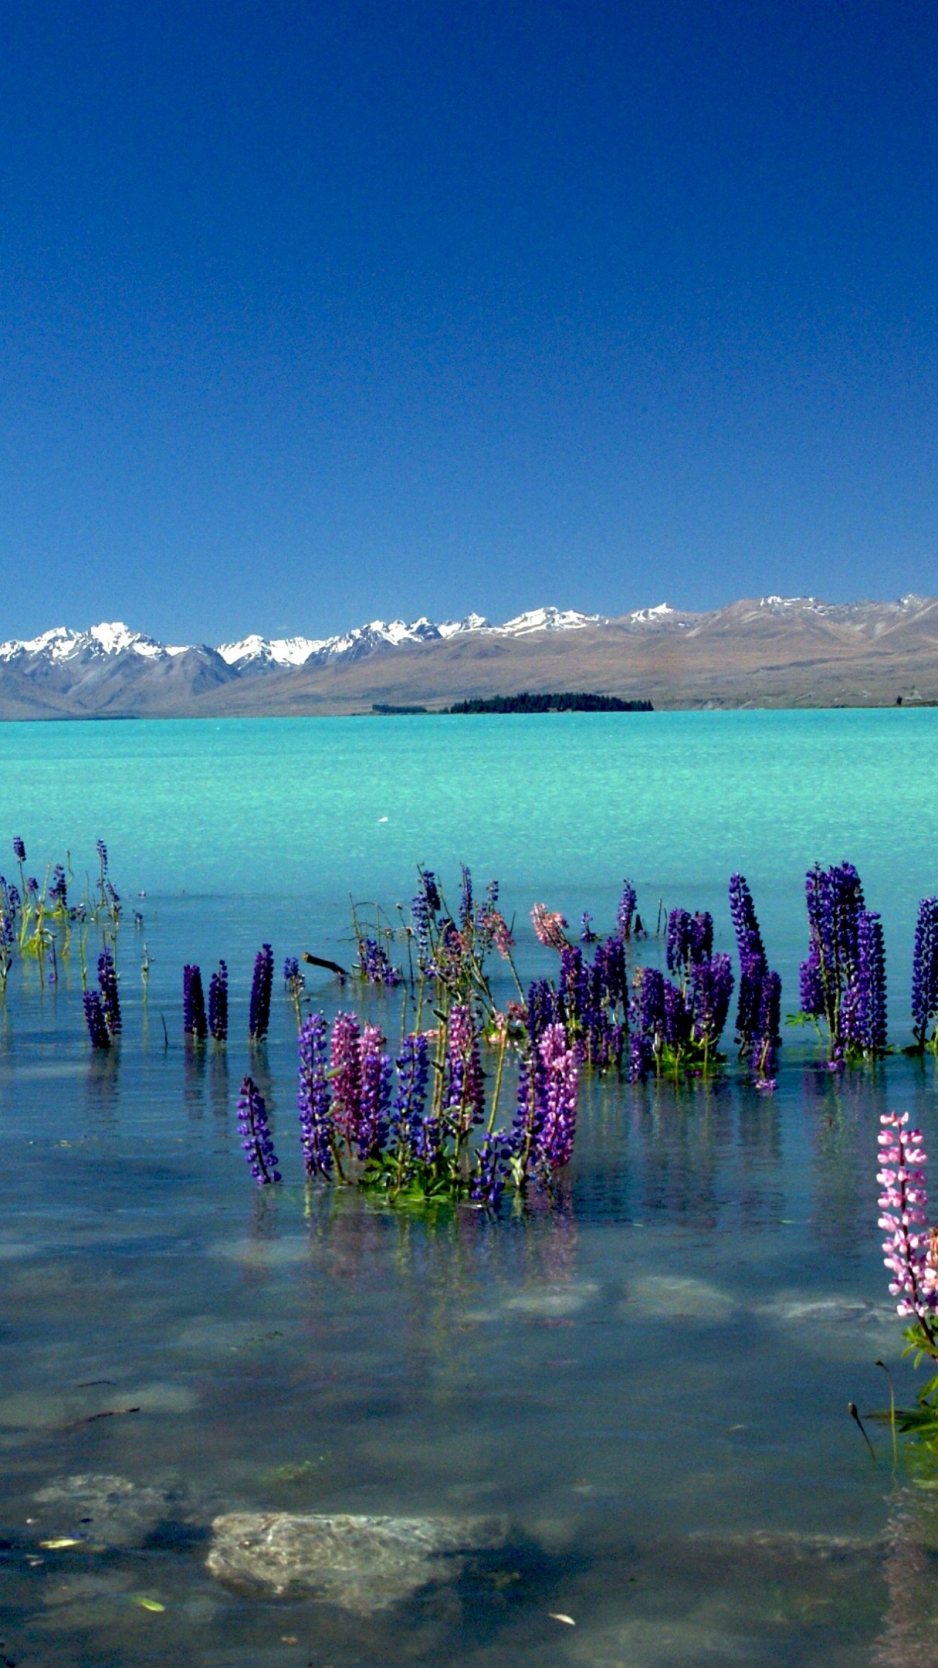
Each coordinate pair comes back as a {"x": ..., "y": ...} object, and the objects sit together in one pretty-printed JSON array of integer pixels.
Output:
[{"x": 641, "y": 1390}]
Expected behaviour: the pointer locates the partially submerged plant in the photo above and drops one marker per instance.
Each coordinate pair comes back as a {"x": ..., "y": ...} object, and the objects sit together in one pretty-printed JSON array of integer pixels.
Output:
[
  {"x": 843, "y": 979},
  {"x": 911, "y": 1256},
  {"x": 256, "y": 1141}
]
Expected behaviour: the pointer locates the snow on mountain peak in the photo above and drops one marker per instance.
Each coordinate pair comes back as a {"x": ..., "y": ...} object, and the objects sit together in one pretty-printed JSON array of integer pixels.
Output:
[{"x": 255, "y": 653}]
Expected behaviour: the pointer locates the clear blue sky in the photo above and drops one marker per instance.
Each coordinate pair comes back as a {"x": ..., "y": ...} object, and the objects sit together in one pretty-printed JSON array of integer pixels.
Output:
[{"x": 315, "y": 312}]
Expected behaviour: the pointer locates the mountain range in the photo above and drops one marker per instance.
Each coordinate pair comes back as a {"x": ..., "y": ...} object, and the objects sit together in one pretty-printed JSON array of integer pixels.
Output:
[{"x": 769, "y": 651}]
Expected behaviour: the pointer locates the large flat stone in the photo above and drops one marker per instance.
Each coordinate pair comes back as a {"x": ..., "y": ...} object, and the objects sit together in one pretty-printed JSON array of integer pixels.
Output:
[{"x": 363, "y": 1564}]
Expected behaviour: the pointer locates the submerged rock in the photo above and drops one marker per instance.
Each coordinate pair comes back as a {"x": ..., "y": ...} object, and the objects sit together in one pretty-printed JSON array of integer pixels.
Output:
[
  {"x": 105, "y": 1510},
  {"x": 363, "y": 1564}
]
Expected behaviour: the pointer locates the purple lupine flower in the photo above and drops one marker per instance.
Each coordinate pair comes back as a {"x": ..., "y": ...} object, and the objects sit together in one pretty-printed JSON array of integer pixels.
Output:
[
  {"x": 611, "y": 980},
  {"x": 871, "y": 984},
  {"x": 261, "y": 990},
  {"x": 19, "y": 850},
  {"x": 909, "y": 1247},
  {"x": 102, "y": 854},
  {"x": 711, "y": 987},
  {"x": 558, "y": 1090},
  {"x": 16, "y": 902},
  {"x": 374, "y": 967},
  {"x": 256, "y": 1141},
  {"x": 58, "y": 887},
  {"x": 413, "y": 1070},
  {"x": 107, "y": 984},
  {"x": 543, "y": 1007},
  {"x": 810, "y": 983},
  {"x": 314, "y": 1100},
  {"x": 587, "y": 935},
  {"x": 95, "y": 1020},
  {"x": 834, "y": 900},
  {"x": 700, "y": 937},
  {"x": 32, "y": 886},
  {"x": 767, "y": 1037},
  {"x": 194, "y": 1023},
  {"x": 464, "y": 1085},
  {"x": 574, "y": 985},
  {"x": 431, "y": 891},
  {"x": 491, "y": 1170},
  {"x": 291, "y": 970},
  {"x": 465, "y": 897},
  {"x": 626, "y": 910},
  {"x": 925, "y": 971},
  {"x": 678, "y": 940},
  {"x": 641, "y": 1057},
  {"x": 649, "y": 1001},
  {"x": 420, "y": 927},
  {"x": 375, "y": 1101},
  {"x": 677, "y": 1017},
  {"x": 752, "y": 959},
  {"x": 345, "y": 1069},
  {"x": 218, "y": 1003}
]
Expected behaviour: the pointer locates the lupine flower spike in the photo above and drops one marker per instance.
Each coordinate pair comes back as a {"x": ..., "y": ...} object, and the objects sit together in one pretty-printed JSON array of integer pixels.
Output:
[
  {"x": 261, "y": 989},
  {"x": 314, "y": 1099},
  {"x": 910, "y": 1246},
  {"x": 94, "y": 1018},
  {"x": 256, "y": 1141},
  {"x": 218, "y": 1004}
]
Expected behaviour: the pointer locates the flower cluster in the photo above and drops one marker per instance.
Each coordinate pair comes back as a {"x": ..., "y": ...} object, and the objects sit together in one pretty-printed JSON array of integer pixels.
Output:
[
  {"x": 102, "y": 1006},
  {"x": 374, "y": 964},
  {"x": 261, "y": 990},
  {"x": 218, "y": 1003},
  {"x": 678, "y": 1023},
  {"x": 364, "y": 1122},
  {"x": 925, "y": 975},
  {"x": 758, "y": 1012},
  {"x": 540, "y": 1139},
  {"x": 194, "y": 1021},
  {"x": 314, "y": 1099},
  {"x": 843, "y": 979},
  {"x": 909, "y": 1246},
  {"x": 549, "y": 927},
  {"x": 256, "y": 1140},
  {"x": 107, "y": 984},
  {"x": 452, "y": 952}
]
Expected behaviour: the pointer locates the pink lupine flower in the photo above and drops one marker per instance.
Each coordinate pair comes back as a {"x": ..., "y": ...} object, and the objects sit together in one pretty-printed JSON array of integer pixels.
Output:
[
  {"x": 345, "y": 1070},
  {"x": 549, "y": 926},
  {"x": 909, "y": 1247}
]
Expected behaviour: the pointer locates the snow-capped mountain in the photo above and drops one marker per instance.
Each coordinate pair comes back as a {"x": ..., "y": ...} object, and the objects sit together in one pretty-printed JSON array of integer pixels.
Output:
[
  {"x": 64, "y": 644},
  {"x": 271, "y": 654},
  {"x": 770, "y": 649},
  {"x": 100, "y": 662}
]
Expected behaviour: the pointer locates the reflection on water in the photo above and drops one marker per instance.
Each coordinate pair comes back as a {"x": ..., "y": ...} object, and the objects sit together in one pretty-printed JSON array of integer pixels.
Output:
[{"x": 643, "y": 1385}]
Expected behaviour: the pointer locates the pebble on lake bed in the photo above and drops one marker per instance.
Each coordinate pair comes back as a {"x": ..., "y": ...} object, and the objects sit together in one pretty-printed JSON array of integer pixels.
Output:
[{"x": 363, "y": 1564}]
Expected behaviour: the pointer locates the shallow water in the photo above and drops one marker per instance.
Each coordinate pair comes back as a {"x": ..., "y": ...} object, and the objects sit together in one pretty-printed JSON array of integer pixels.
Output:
[{"x": 648, "y": 1382}]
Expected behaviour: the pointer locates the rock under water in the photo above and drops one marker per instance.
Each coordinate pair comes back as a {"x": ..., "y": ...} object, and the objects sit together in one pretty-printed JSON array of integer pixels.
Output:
[{"x": 363, "y": 1564}]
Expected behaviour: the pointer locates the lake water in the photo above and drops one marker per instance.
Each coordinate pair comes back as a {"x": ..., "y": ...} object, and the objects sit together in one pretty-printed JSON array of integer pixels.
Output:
[{"x": 645, "y": 1386}]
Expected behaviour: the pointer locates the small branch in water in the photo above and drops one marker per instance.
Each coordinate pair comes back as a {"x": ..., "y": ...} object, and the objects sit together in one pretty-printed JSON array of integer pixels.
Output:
[
  {"x": 852, "y": 1410},
  {"x": 332, "y": 966}
]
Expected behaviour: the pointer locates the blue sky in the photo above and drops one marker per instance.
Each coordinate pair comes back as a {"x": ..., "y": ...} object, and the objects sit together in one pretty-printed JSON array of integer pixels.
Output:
[{"x": 312, "y": 313}]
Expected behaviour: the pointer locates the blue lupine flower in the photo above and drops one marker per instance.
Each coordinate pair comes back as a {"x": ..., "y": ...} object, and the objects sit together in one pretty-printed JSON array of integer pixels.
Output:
[
  {"x": 193, "y": 1003},
  {"x": 925, "y": 970},
  {"x": 261, "y": 988},
  {"x": 256, "y": 1141},
  {"x": 218, "y": 1003},
  {"x": 317, "y": 1133},
  {"x": 95, "y": 1020},
  {"x": 107, "y": 984}
]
